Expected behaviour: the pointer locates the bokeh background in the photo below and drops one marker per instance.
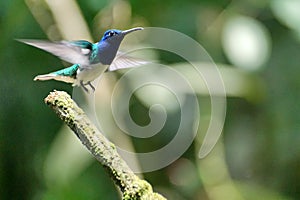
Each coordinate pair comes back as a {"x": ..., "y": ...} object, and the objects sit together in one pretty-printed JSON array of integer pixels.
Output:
[{"x": 256, "y": 44}]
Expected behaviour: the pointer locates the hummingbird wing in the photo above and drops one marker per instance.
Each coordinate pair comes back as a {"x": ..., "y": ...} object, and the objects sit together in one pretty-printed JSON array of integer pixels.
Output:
[
  {"x": 76, "y": 52},
  {"x": 123, "y": 61}
]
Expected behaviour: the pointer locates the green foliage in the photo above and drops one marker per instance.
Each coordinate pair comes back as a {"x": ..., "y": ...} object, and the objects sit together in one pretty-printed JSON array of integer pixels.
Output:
[{"x": 258, "y": 156}]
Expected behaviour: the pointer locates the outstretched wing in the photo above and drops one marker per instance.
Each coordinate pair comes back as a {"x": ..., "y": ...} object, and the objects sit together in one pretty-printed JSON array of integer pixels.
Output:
[
  {"x": 123, "y": 61},
  {"x": 76, "y": 52}
]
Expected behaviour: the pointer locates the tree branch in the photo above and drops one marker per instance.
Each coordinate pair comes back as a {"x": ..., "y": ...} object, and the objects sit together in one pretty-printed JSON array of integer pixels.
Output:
[{"x": 132, "y": 186}]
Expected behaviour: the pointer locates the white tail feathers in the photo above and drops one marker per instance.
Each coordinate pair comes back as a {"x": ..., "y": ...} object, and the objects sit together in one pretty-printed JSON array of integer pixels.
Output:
[
  {"x": 44, "y": 77},
  {"x": 53, "y": 76}
]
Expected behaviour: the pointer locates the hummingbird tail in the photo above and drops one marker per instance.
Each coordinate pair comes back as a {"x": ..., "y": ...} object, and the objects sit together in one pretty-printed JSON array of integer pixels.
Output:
[
  {"x": 44, "y": 77},
  {"x": 52, "y": 76}
]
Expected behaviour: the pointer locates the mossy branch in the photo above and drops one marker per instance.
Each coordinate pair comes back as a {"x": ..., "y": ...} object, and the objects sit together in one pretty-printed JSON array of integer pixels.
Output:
[{"x": 131, "y": 186}]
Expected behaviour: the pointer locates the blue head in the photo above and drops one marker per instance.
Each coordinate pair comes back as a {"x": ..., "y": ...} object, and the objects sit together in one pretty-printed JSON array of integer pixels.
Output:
[
  {"x": 109, "y": 44},
  {"x": 112, "y": 33}
]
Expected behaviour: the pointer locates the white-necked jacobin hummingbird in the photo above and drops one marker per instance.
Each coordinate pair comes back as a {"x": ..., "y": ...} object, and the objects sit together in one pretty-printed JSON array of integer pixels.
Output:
[{"x": 89, "y": 60}]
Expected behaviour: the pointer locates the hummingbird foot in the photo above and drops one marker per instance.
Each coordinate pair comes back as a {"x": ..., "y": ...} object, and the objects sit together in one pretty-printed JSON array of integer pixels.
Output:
[
  {"x": 83, "y": 85},
  {"x": 90, "y": 84}
]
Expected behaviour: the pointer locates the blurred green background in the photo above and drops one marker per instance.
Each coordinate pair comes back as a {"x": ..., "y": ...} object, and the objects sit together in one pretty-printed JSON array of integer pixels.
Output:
[{"x": 256, "y": 44}]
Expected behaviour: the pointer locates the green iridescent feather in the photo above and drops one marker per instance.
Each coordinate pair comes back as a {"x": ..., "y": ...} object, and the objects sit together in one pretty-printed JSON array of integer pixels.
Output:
[{"x": 70, "y": 71}]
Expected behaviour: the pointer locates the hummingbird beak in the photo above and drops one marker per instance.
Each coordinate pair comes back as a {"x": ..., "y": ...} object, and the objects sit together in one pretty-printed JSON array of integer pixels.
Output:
[{"x": 131, "y": 30}]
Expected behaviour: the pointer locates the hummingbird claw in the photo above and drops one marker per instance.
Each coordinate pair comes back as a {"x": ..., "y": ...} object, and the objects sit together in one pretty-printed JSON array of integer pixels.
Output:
[
  {"x": 90, "y": 84},
  {"x": 83, "y": 85}
]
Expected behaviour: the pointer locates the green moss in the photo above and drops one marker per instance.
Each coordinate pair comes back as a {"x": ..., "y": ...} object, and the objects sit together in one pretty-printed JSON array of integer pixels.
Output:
[
  {"x": 139, "y": 189},
  {"x": 131, "y": 186}
]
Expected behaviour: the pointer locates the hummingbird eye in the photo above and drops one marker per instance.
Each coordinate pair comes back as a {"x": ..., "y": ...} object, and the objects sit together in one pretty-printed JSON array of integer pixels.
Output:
[{"x": 111, "y": 33}]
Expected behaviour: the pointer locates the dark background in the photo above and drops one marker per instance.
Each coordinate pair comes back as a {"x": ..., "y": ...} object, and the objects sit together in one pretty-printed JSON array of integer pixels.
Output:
[{"x": 258, "y": 156}]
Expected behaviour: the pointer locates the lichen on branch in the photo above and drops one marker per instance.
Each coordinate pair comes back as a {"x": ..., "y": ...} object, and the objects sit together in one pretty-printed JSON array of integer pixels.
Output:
[{"x": 131, "y": 186}]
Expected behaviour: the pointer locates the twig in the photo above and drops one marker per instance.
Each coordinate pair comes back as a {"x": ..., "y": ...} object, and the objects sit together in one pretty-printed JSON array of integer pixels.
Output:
[{"x": 131, "y": 186}]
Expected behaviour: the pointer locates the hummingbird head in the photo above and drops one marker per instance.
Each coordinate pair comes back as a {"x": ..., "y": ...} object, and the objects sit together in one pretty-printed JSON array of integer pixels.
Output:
[
  {"x": 118, "y": 35},
  {"x": 110, "y": 42}
]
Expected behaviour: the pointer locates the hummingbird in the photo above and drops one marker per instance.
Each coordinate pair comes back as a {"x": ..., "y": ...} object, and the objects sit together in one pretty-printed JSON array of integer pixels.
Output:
[{"x": 89, "y": 60}]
